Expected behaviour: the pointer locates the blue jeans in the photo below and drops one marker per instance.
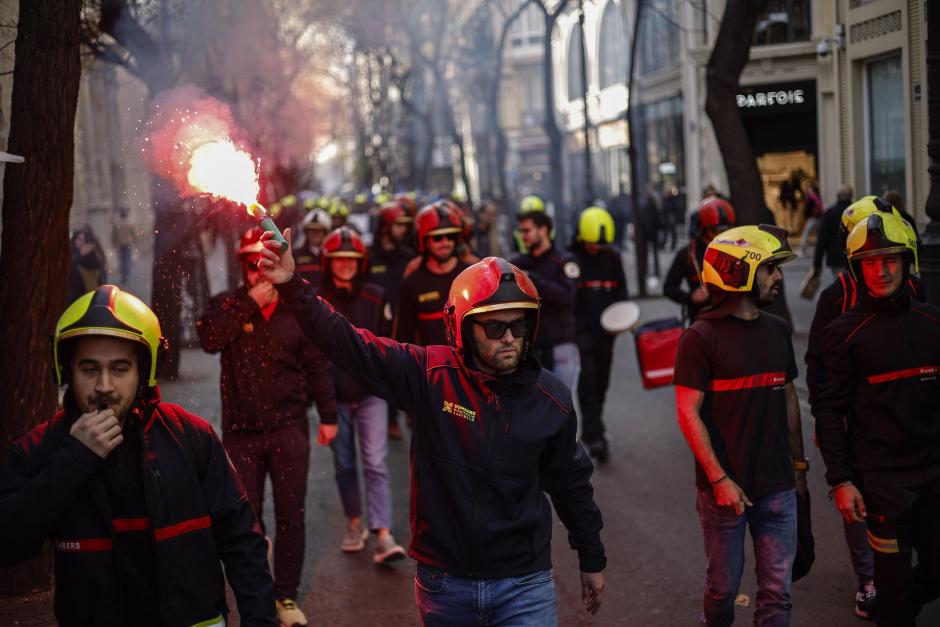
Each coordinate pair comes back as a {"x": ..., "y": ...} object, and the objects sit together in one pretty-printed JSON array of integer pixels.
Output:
[
  {"x": 443, "y": 599},
  {"x": 772, "y": 521},
  {"x": 567, "y": 365},
  {"x": 369, "y": 420}
]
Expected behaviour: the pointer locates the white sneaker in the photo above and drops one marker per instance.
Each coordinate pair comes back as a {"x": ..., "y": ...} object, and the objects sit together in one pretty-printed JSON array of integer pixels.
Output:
[
  {"x": 355, "y": 538},
  {"x": 388, "y": 551}
]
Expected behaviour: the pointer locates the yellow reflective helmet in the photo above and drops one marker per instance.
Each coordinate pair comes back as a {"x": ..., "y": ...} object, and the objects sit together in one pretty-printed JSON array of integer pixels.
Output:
[
  {"x": 339, "y": 208},
  {"x": 531, "y": 203},
  {"x": 111, "y": 312},
  {"x": 289, "y": 201},
  {"x": 596, "y": 226},
  {"x": 861, "y": 209},
  {"x": 732, "y": 258},
  {"x": 882, "y": 234}
]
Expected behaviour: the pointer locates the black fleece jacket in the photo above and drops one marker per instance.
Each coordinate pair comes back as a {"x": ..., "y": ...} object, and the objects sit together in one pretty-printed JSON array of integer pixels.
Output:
[
  {"x": 881, "y": 372},
  {"x": 485, "y": 451}
]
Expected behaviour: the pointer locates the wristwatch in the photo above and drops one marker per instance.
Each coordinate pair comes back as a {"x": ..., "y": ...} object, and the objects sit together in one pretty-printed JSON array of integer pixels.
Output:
[{"x": 801, "y": 464}]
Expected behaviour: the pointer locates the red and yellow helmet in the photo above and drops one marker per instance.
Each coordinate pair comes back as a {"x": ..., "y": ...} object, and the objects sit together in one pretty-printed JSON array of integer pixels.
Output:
[
  {"x": 408, "y": 203},
  {"x": 490, "y": 284},
  {"x": 343, "y": 242},
  {"x": 713, "y": 213},
  {"x": 392, "y": 213},
  {"x": 732, "y": 258},
  {"x": 440, "y": 218}
]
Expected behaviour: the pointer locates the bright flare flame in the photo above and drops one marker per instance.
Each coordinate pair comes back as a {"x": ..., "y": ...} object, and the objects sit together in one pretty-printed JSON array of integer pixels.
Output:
[{"x": 220, "y": 169}]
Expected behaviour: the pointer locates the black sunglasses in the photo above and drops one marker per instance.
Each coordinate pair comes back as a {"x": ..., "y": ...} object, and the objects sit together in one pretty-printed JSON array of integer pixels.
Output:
[
  {"x": 440, "y": 238},
  {"x": 496, "y": 329}
]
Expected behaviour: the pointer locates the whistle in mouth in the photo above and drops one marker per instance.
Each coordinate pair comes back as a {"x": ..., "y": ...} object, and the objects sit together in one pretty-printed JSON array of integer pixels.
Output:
[{"x": 267, "y": 224}]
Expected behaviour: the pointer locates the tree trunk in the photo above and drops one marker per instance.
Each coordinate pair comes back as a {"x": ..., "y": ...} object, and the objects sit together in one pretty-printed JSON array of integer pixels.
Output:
[
  {"x": 550, "y": 125},
  {"x": 639, "y": 237},
  {"x": 725, "y": 65},
  {"x": 35, "y": 255}
]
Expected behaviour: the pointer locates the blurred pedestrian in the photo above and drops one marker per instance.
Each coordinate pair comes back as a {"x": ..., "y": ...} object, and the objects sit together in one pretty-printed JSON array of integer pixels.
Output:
[
  {"x": 88, "y": 269},
  {"x": 651, "y": 224},
  {"x": 894, "y": 198},
  {"x": 493, "y": 434},
  {"x": 387, "y": 259},
  {"x": 362, "y": 416},
  {"x": 673, "y": 215},
  {"x": 601, "y": 284},
  {"x": 137, "y": 496},
  {"x": 124, "y": 237},
  {"x": 621, "y": 208},
  {"x": 713, "y": 216},
  {"x": 487, "y": 235},
  {"x": 738, "y": 410},
  {"x": 829, "y": 243},
  {"x": 555, "y": 274},
  {"x": 315, "y": 225},
  {"x": 271, "y": 374},
  {"x": 813, "y": 211}
]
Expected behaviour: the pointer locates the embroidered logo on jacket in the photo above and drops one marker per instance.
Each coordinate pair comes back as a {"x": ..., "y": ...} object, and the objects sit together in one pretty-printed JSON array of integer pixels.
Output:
[
  {"x": 423, "y": 298},
  {"x": 460, "y": 411}
]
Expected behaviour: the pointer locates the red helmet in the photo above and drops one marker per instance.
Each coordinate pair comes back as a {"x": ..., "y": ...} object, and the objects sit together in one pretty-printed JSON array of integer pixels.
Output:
[
  {"x": 440, "y": 218},
  {"x": 488, "y": 285},
  {"x": 344, "y": 242},
  {"x": 714, "y": 213},
  {"x": 251, "y": 242},
  {"x": 391, "y": 213},
  {"x": 408, "y": 204}
]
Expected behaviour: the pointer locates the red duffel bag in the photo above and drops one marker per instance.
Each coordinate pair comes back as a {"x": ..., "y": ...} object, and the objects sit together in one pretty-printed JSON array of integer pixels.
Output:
[{"x": 656, "y": 343}]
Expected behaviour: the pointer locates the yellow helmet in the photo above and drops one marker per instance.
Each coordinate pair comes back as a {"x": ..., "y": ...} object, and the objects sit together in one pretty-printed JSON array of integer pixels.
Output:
[
  {"x": 289, "y": 201},
  {"x": 339, "y": 208},
  {"x": 531, "y": 203},
  {"x": 114, "y": 313},
  {"x": 861, "y": 209},
  {"x": 595, "y": 226},
  {"x": 882, "y": 234},
  {"x": 732, "y": 258}
]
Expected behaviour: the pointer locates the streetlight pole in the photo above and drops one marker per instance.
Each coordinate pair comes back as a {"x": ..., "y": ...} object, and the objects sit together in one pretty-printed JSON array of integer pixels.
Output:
[
  {"x": 930, "y": 255},
  {"x": 588, "y": 175}
]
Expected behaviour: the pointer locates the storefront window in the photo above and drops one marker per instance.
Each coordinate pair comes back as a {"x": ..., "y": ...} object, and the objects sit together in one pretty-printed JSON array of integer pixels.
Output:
[
  {"x": 659, "y": 36},
  {"x": 613, "y": 52},
  {"x": 885, "y": 125},
  {"x": 783, "y": 21}
]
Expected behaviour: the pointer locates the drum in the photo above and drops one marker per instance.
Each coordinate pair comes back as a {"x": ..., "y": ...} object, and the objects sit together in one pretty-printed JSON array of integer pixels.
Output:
[{"x": 620, "y": 317}]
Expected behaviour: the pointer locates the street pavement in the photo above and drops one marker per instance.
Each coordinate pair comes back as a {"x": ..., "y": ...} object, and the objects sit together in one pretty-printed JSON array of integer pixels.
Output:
[{"x": 646, "y": 493}]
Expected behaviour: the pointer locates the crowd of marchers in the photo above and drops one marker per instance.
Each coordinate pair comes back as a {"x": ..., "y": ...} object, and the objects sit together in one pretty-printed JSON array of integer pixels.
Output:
[{"x": 491, "y": 354}]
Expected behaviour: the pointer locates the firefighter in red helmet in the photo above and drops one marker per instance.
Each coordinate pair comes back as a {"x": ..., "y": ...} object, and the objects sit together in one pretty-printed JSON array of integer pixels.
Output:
[
  {"x": 491, "y": 427},
  {"x": 423, "y": 292},
  {"x": 271, "y": 374},
  {"x": 713, "y": 216},
  {"x": 388, "y": 257}
]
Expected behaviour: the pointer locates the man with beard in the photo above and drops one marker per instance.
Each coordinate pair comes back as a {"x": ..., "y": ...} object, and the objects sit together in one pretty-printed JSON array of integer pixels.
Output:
[
  {"x": 137, "y": 495},
  {"x": 388, "y": 257},
  {"x": 554, "y": 273},
  {"x": 271, "y": 374},
  {"x": 494, "y": 433},
  {"x": 738, "y": 410},
  {"x": 877, "y": 414},
  {"x": 315, "y": 226},
  {"x": 420, "y": 315}
]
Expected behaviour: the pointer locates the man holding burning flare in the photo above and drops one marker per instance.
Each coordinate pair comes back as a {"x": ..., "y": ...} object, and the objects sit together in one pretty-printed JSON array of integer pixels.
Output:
[{"x": 493, "y": 434}]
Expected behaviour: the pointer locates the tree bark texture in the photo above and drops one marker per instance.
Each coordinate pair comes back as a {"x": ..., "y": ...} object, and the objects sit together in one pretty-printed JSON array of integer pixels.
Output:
[
  {"x": 35, "y": 255},
  {"x": 727, "y": 61}
]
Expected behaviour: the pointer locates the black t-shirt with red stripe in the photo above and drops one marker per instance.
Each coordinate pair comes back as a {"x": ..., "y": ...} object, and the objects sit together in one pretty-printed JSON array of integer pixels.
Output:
[
  {"x": 742, "y": 367},
  {"x": 420, "y": 316}
]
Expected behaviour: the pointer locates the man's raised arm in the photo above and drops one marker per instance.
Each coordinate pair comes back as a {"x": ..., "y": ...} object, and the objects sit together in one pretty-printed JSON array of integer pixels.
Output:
[{"x": 388, "y": 369}]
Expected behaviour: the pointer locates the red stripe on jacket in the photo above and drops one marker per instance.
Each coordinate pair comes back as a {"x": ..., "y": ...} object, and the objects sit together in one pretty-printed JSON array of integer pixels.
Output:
[
  {"x": 920, "y": 371},
  {"x": 187, "y": 526}
]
